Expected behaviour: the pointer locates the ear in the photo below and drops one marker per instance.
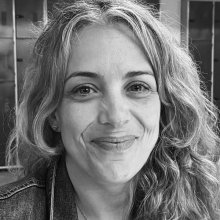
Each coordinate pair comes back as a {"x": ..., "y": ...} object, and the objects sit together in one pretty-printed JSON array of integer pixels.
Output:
[{"x": 54, "y": 122}]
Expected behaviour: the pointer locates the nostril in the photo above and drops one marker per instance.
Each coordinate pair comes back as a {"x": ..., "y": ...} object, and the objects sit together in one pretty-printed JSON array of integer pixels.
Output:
[{"x": 114, "y": 119}]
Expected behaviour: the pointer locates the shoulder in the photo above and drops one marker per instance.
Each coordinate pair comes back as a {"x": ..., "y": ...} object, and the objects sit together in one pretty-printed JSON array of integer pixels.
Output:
[
  {"x": 20, "y": 198},
  {"x": 20, "y": 186}
]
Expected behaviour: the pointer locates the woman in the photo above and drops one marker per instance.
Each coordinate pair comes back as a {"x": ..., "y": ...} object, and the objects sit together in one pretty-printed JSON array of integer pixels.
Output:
[{"x": 112, "y": 123}]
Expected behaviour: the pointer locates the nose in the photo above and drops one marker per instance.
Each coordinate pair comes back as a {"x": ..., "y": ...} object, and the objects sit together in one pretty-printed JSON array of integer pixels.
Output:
[{"x": 114, "y": 111}]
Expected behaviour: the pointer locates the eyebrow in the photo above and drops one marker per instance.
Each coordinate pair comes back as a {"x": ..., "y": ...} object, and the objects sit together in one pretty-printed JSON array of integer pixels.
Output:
[{"x": 93, "y": 75}]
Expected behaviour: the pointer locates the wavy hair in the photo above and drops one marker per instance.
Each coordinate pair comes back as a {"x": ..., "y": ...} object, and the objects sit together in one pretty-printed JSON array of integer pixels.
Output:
[{"x": 179, "y": 180}]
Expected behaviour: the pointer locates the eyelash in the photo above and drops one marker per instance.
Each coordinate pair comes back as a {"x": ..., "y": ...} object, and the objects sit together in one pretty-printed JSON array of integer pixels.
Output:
[
  {"x": 141, "y": 85},
  {"x": 78, "y": 93},
  {"x": 81, "y": 87}
]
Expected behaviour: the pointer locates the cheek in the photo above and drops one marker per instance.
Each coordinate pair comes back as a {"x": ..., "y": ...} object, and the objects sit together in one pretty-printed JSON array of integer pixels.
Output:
[
  {"x": 148, "y": 113},
  {"x": 75, "y": 118},
  {"x": 148, "y": 116}
]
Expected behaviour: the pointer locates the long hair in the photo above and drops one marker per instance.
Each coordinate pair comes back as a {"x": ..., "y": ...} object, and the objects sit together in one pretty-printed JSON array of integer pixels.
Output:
[{"x": 179, "y": 180}]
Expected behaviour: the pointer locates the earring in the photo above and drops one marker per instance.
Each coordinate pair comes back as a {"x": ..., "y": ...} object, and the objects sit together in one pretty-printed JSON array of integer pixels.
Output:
[
  {"x": 55, "y": 127},
  {"x": 53, "y": 124}
]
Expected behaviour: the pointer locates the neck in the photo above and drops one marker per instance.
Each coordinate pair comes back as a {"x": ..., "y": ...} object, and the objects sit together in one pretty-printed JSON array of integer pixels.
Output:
[{"x": 99, "y": 200}]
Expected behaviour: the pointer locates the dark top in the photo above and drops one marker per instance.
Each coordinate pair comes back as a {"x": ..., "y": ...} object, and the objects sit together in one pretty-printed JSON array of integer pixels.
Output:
[{"x": 44, "y": 195}]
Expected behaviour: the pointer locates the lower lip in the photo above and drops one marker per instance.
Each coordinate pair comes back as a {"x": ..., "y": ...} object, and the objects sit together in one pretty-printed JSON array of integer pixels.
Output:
[{"x": 111, "y": 146}]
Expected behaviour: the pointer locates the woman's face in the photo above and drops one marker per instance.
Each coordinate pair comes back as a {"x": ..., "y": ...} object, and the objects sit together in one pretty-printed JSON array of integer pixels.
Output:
[{"x": 110, "y": 112}]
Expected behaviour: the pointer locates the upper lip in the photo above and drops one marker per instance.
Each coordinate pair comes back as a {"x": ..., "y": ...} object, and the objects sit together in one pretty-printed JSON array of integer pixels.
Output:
[{"x": 113, "y": 139}]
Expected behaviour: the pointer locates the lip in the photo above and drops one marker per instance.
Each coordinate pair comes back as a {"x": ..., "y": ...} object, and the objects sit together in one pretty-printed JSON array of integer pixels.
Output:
[{"x": 111, "y": 143}]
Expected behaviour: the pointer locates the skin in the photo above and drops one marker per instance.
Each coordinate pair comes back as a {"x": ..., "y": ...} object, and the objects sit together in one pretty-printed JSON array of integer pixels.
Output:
[{"x": 109, "y": 120}]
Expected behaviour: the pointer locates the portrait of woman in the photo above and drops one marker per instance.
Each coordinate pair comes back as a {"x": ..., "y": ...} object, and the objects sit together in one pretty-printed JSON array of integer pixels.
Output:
[{"x": 112, "y": 122}]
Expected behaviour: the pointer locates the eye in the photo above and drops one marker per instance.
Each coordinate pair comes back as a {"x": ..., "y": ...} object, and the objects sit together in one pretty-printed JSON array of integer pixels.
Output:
[
  {"x": 138, "y": 89},
  {"x": 83, "y": 92}
]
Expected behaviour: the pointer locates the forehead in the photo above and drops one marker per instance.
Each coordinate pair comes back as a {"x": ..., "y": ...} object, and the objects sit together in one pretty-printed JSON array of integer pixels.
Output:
[
  {"x": 106, "y": 45},
  {"x": 104, "y": 31}
]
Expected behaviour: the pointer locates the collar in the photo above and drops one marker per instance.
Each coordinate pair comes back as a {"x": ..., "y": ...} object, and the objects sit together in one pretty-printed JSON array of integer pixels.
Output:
[{"x": 60, "y": 192}]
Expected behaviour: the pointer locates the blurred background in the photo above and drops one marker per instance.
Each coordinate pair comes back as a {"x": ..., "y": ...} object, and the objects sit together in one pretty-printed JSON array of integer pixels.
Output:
[{"x": 195, "y": 23}]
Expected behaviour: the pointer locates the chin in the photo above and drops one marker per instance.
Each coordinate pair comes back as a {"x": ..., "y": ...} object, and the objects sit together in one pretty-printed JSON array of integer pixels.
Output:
[{"x": 117, "y": 177}]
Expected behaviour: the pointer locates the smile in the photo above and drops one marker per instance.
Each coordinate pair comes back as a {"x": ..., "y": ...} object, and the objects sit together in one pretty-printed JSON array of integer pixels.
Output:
[{"x": 114, "y": 143}]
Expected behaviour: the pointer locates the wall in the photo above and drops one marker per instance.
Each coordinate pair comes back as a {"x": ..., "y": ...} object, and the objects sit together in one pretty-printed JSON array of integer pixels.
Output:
[{"x": 171, "y": 15}]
